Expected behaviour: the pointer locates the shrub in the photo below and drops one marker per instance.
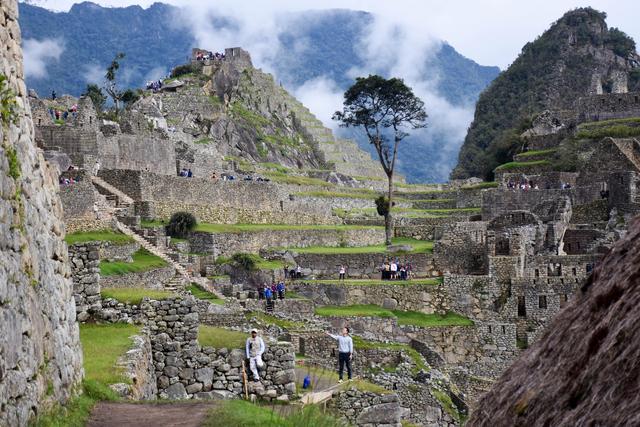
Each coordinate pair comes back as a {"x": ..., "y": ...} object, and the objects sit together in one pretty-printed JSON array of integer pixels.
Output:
[
  {"x": 182, "y": 70},
  {"x": 180, "y": 224},
  {"x": 382, "y": 206},
  {"x": 244, "y": 261}
]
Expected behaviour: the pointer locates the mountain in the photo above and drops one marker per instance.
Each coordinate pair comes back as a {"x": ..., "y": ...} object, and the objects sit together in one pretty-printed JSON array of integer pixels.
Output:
[
  {"x": 313, "y": 44},
  {"x": 577, "y": 56}
]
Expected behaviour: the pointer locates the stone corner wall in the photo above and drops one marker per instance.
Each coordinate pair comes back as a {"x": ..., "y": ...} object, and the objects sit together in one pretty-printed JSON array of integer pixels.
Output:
[
  {"x": 85, "y": 270},
  {"x": 365, "y": 408},
  {"x": 40, "y": 354}
]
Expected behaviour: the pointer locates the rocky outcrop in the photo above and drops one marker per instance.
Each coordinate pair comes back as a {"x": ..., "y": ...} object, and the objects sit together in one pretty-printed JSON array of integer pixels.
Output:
[
  {"x": 584, "y": 370},
  {"x": 40, "y": 355}
]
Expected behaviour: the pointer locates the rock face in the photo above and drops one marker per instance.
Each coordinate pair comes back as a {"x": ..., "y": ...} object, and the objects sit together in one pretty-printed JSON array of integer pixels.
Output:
[
  {"x": 584, "y": 370},
  {"x": 578, "y": 56},
  {"x": 40, "y": 355}
]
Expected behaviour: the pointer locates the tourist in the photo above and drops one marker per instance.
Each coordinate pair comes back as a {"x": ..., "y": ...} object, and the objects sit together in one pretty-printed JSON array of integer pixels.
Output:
[
  {"x": 280, "y": 289},
  {"x": 53, "y": 95},
  {"x": 345, "y": 351},
  {"x": 96, "y": 168},
  {"x": 394, "y": 270},
  {"x": 254, "y": 349},
  {"x": 409, "y": 268},
  {"x": 189, "y": 174},
  {"x": 286, "y": 270},
  {"x": 403, "y": 272},
  {"x": 342, "y": 272},
  {"x": 268, "y": 294},
  {"x": 214, "y": 177},
  {"x": 299, "y": 272},
  {"x": 260, "y": 292},
  {"x": 274, "y": 289}
]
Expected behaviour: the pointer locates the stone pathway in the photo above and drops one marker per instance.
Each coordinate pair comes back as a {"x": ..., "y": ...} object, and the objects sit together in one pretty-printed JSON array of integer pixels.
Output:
[{"x": 109, "y": 414}]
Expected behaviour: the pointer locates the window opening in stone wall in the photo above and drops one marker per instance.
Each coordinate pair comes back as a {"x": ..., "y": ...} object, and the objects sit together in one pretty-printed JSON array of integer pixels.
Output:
[
  {"x": 489, "y": 328},
  {"x": 635, "y": 99},
  {"x": 504, "y": 330},
  {"x": 542, "y": 301},
  {"x": 574, "y": 272},
  {"x": 589, "y": 268},
  {"x": 281, "y": 206},
  {"x": 522, "y": 308},
  {"x": 563, "y": 300},
  {"x": 537, "y": 273},
  {"x": 568, "y": 247}
]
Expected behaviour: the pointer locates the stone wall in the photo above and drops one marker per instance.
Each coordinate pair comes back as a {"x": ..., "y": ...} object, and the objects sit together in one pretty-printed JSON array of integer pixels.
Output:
[
  {"x": 186, "y": 370},
  {"x": 78, "y": 202},
  {"x": 114, "y": 252},
  {"x": 137, "y": 366},
  {"x": 365, "y": 408},
  {"x": 227, "y": 244},
  {"x": 461, "y": 248},
  {"x": 41, "y": 357},
  {"x": 361, "y": 266},
  {"x": 151, "y": 279},
  {"x": 608, "y": 106},
  {"x": 85, "y": 270},
  {"x": 421, "y": 228},
  {"x": 401, "y": 296},
  {"x": 296, "y": 309}
]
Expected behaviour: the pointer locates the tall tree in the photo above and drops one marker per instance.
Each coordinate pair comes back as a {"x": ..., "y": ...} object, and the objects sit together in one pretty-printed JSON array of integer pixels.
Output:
[
  {"x": 97, "y": 97},
  {"x": 385, "y": 109},
  {"x": 110, "y": 84}
]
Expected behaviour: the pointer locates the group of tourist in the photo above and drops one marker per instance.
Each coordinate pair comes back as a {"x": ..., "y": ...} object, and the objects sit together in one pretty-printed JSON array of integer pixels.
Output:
[
  {"x": 294, "y": 273},
  {"x": 394, "y": 270},
  {"x": 523, "y": 185},
  {"x": 155, "y": 85},
  {"x": 57, "y": 114},
  {"x": 64, "y": 181},
  {"x": 205, "y": 56},
  {"x": 185, "y": 173},
  {"x": 271, "y": 292}
]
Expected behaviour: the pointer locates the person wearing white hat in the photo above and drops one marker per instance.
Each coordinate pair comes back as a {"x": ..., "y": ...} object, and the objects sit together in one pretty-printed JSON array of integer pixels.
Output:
[{"x": 254, "y": 349}]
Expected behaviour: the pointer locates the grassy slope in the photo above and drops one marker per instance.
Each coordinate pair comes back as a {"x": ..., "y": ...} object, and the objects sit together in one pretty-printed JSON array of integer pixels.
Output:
[
  {"x": 220, "y": 337},
  {"x": 200, "y": 293},
  {"x": 101, "y": 235},
  {"x": 134, "y": 295},
  {"x": 404, "y": 317},
  {"x": 142, "y": 261}
]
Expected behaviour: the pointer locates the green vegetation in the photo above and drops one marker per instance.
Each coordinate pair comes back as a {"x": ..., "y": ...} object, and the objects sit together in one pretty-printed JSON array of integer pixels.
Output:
[
  {"x": 285, "y": 178},
  {"x": 273, "y": 320},
  {"x": 184, "y": 70},
  {"x": 202, "y": 294},
  {"x": 255, "y": 120},
  {"x": 481, "y": 186},
  {"x": 134, "y": 295},
  {"x": 522, "y": 165},
  {"x": 404, "y": 317},
  {"x": 344, "y": 195},
  {"x": 143, "y": 260},
  {"x": 240, "y": 413},
  {"x": 221, "y": 338},
  {"x": 250, "y": 262},
  {"x": 203, "y": 141},
  {"x": 249, "y": 228},
  {"x": 366, "y": 282},
  {"x": 180, "y": 224},
  {"x": 419, "y": 247},
  {"x": 332, "y": 375},
  {"x": 276, "y": 167},
  {"x": 146, "y": 223},
  {"x": 534, "y": 153},
  {"x": 7, "y": 102},
  {"x": 615, "y": 128},
  {"x": 99, "y": 236},
  {"x": 102, "y": 345},
  {"x": 14, "y": 163},
  {"x": 447, "y": 403}
]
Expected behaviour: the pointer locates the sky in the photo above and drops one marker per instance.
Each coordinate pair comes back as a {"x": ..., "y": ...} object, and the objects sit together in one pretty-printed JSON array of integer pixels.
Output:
[{"x": 491, "y": 32}]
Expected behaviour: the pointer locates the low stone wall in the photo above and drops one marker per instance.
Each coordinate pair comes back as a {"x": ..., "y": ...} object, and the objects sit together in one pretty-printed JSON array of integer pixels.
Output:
[
  {"x": 421, "y": 228},
  {"x": 361, "y": 266},
  {"x": 370, "y": 328},
  {"x": 185, "y": 370},
  {"x": 85, "y": 272},
  {"x": 112, "y": 252},
  {"x": 152, "y": 279},
  {"x": 401, "y": 296},
  {"x": 365, "y": 408},
  {"x": 296, "y": 309},
  {"x": 137, "y": 366},
  {"x": 227, "y": 244}
]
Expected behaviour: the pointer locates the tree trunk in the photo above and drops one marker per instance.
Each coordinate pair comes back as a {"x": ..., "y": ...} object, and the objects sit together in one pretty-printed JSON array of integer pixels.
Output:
[{"x": 388, "y": 218}]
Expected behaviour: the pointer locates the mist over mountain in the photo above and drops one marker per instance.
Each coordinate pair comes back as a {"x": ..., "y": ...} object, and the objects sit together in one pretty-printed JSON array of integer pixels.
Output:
[{"x": 315, "y": 54}]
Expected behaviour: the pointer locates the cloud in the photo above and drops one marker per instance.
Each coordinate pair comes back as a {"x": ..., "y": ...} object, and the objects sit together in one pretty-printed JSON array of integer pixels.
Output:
[
  {"x": 93, "y": 73},
  {"x": 322, "y": 96},
  {"x": 38, "y": 54}
]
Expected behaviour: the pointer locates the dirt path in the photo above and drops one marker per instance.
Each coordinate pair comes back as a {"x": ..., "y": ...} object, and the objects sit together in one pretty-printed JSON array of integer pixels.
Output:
[{"x": 107, "y": 414}]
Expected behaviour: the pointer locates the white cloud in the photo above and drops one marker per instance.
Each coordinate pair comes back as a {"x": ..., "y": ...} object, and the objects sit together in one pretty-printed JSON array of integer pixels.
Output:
[
  {"x": 38, "y": 54},
  {"x": 322, "y": 96},
  {"x": 93, "y": 73}
]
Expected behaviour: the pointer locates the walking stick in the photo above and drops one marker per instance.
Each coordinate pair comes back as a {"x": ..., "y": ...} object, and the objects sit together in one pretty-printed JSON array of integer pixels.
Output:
[{"x": 244, "y": 381}]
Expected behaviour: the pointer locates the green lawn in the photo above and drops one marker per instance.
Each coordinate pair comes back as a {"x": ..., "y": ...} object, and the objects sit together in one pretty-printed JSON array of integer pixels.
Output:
[
  {"x": 241, "y": 413},
  {"x": 134, "y": 295},
  {"x": 521, "y": 165},
  {"x": 532, "y": 153},
  {"x": 221, "y": 338},
  {"x": 146, "y": 223},
  {"x": 404, "y": 317},
  {"x": 339, "y": 194},
  {"x": 102, "y": 345},
  {"x": 100, "y": 235},
  {"x": 481, "y": 186},
  {"x": 143, "y": 260},
  {"x": 419, "y": 247},
  {"x": 248, "y": 228},
  {"x": 202, "y": 294},
  {"x": 259, "y": 262},
  {"x": 418, "y": 360},
  {"x": 371, "y": 282}
]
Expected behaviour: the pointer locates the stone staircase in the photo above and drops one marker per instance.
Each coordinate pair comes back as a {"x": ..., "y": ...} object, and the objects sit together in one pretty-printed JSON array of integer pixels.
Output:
[{"x": 122, "y": 203}]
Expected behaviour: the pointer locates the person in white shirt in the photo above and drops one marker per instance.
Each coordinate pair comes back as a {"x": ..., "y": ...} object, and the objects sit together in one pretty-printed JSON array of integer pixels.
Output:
[
  {"x": 345, "y": 351},
  {"x": 254, "y": 349},
  {"x": 343, "y": 272},
  {"x": 394, "y": 269}
]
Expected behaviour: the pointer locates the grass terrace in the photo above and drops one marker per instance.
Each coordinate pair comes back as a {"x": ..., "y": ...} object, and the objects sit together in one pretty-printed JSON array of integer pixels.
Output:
[
  {"x": 368, "y": 282},
  {"x": 253, "y": 228},
  {"x": 202, "y": 294},
  {"x": 535, "y": 153},
  {"x": 258, "y": 262},
  {"x": 418, "y": 360},
  {"x": 419, "y": 247},
  {"x": 212, "y": 336},
  {"x": 134, "y": 295},
  {"x": 99, "y": 236},
  {"x": 285, "y": 178},
  {"x": 413, "y": 318},
  {"x": 146, "y": 223},
  {"x": 143, "y": 260},
  {"x": 615, "y": 128},
  {"x": 481, "y": 186},
  {"x": 365, "y": 194},
  {"x": 522, "y": 165}
]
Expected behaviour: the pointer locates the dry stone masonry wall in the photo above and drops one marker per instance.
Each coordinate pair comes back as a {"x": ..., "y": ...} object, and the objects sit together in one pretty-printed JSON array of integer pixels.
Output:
[{"x": 40, "y": 355}]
